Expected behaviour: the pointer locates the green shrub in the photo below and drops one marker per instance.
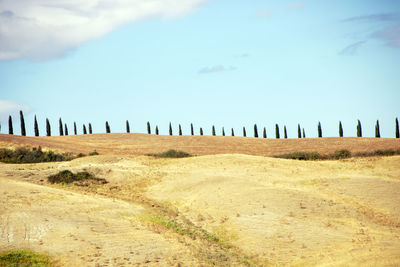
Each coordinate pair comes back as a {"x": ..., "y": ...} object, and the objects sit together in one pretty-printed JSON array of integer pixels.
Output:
[
  {"x": 302, "y": 156},
  {"x": 80, "y": 178},
  {"x": 24, "y": 155},
  {"x": 94, "y": 153},
  {"x": 341, "y": 154},
  {"x": 171, "y": 154},
  {"x": 23, "y": 258},
  {"x": 385, "y": 152}
]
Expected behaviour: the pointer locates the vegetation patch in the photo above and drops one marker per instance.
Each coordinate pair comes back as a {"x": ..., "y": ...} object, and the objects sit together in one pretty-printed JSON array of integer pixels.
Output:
[
  {"x": 24, "y": 155},
  {"x": 80, "y": 178},
  {"x": 171, "y": 154},
  {"x": 23, "y": 258},
  {"x": 301, "y": 156}
]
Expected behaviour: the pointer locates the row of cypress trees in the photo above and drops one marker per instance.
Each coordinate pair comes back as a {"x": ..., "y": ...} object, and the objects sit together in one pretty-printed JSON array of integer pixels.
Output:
[{"x": 63, "y": 129}]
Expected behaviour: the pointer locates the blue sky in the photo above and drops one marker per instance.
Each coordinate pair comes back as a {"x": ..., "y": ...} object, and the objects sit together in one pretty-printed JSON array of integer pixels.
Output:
[{"x": 224, "y": 63}]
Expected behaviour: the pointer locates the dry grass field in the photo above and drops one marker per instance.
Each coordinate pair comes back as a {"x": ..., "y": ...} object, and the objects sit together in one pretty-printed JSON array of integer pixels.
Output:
[{"x": 231, "y": 206}]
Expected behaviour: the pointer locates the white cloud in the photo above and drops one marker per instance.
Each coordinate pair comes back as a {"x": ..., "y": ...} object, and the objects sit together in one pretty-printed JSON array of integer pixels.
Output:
[
  {"x": 352, "y": 49},
  {"x": 8, "y": 108},
  {"x": 262, "y": 14},
  {"x": 43, "y": 29},
  {"x": 297, "y": 5},
  {"x": 390, "y": 35},
  {"x": 216, "y": 68}
]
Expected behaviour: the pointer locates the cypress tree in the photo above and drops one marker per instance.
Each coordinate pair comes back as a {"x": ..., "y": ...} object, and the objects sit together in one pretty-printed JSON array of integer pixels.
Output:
[
  {"x": 108, "y": 130},
  {"x": 255, "y": 131},
  {"x": 319, "y": 130},
  {"x": 244, "y": 132},
  {"x": 170, "y": 128},
  {"x": 36, "y": 127},
  {"x": 284, "y": 131},
  {"x": 377, "y": 130},
  {"x": 148, "y": 128},
  {"x": 340, "y": 129},
  {"x": 298, "y": 131},
  {"x": 90, "y": 128},
  {"x": 48, "y": 128},
  {"x": 84, "y": 129},
  {"x": 223, "y": 131},
  {"x": 304, "y": 133},
  {"x": 201, "y": 131},
  {"x": 397, "y": 129},
  {"x": 265, "y": 133},
  {"x": 75, "y": 132},
  {"x": 213, "y": 130},
  {"x": 128, "y": 130},
  {"x": 61, "y": 127},
  {"x": 156, "y": 130},
  {"x": 359, "y": 130},
  {"x": 65, "y": 129},
  {"x": 277, "y": 135},
  {"x": 191, "y": 129},
  {"x": 21, "y": 116},
  {"x": 10, "y": 125},
  {"x": 180, "y": 130},
  {"x": 232, "y": 132}
]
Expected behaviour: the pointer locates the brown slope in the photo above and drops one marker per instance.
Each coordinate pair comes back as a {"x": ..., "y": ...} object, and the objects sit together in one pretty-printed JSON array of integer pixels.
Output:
[{"x": 140, "y": 144}]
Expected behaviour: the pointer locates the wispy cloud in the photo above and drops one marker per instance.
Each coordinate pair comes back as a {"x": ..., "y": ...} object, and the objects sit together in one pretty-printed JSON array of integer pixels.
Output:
[
  {"x": 374, "y": 17},
  {"x": 8, "y": 108},
  {"x": 297, "y": 5},
  {"x": 352, "y": 49},
  {"x": 390, "y": 35},
  {"x": 244, "y": 55},
  {"x": 262, "y": 14},
  {"x": 43, "y": 29},
  {"x": 216, "y": 68}
]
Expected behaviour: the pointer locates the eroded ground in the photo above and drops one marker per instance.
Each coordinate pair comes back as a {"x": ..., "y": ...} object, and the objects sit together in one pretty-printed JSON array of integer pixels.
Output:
[{"x": 220, "y": 209}]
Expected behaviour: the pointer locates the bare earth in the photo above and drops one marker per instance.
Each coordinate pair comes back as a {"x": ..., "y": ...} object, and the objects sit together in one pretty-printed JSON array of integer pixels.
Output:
[{"x": 263, "y": 211}]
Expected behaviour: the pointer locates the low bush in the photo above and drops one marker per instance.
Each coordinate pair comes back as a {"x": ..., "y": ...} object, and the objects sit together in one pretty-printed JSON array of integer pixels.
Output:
[
  {"x": 80, "y": 178},
  {"x": 23, "y": 258},
  {"x": 171, "y": 154},
  {"x": 385, "y": 152},
  {"x": 341, "y": 154},
  {"x": 24, "y": 155},
  {"x": 94, "y": 153},
  {"x": 301, "y": 156}
]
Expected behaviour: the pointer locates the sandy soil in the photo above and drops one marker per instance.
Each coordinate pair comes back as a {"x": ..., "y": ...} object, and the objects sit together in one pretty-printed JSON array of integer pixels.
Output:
[
  {"x": 264, "y": 210},
  {"x": 142, "y": 144}
]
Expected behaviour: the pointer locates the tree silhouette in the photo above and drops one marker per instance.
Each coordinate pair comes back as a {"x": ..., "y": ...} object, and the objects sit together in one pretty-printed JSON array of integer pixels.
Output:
[
  {"x": 232, "y": 132},
  {"x": 48, "y": 128},
  {"x": 284, "y": 131},
  {"x": 75, "y": 131},
  {"x": 255, "y": 131},
  {"x": 170, "y": 129},
  {"x": 265, "y": 133},
  {"x": 84, "y": 129},
  {"x": 191, "y": 129},
  {"x": 277, "y": 135},
  {"x": 60, "y": 127},
  {"x": 397, "y": 129},
  {"x": 36, "y": 127},
  {"x": 377, "y": 130},
  {"x": 65, "y": 129},
  {"x": 359, "y": 130},
  {"x": 90, "y": 128},
  {"x": 108, "y": 130},
  {"x": 10, "y": 125},
  {"x": 21, "y": 116},
  {"x": 304, "y": 133},
  {"x": 340, "y": 129},
  {"x": 180, "y": 130},
  {"x": 148, "y": 128},
  {"x": 213, "y": 130},
  {"x": 319, "y": 130},
  {"x": 244, "y": 132},
  {"x": 156, "y": 130},
  {"x": 298, "y": 131},
  {"x": 223, "y": 131},
  {"x": 201, "y": 131},
  {"x": 128, "y": 130}
]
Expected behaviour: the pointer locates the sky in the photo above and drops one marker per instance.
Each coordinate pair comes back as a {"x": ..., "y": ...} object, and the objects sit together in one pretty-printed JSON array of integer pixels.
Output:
[{"x": 230, "y": 64}]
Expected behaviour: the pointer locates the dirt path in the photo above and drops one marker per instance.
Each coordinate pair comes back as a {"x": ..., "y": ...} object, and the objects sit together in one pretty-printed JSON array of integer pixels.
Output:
[{"x": 225, "y": 210}]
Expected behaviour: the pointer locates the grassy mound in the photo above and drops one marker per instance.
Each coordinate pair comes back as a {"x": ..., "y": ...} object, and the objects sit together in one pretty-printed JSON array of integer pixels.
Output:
[
  {"x": 80, "y": 178},
  {"x": 23, "y": 258},
  {"x": 171, "y": 154},
  {"x": 24, "y": 155}
]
